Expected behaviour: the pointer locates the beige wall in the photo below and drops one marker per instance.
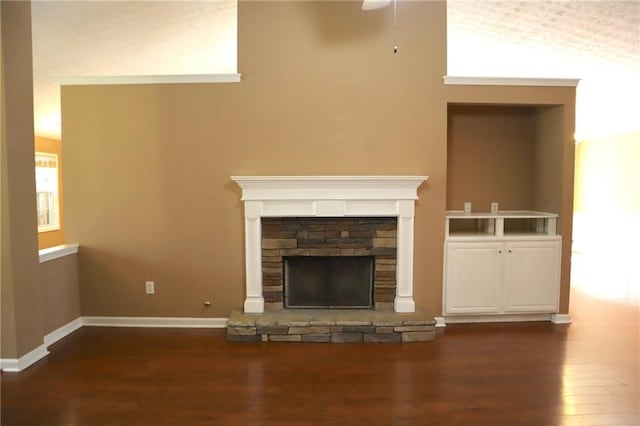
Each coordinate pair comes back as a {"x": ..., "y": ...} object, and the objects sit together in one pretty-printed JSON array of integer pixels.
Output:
[
  {"x": 147, "y": 187},
  {"x": 608, "y": 175},
  {"x": 7, "y": 314},
  {"x": 36, "y": 298},
  {"x": 607, "y": 207},
  {"x": 490, "y": 156},
  {"x": 61, "y": 291},
  {"x": 147, "y": 167},
  {"x": 553, "y": 179},
  {"x": 22, "y": 303}
]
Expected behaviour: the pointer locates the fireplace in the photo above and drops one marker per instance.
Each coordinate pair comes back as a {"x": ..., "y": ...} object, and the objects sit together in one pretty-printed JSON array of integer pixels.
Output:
[
  {"x": 330, "y": 282},
  {"x": 329, "y": 198},
  {"x": 334, "y": 254},
  {"x": 327, "y": 242}
]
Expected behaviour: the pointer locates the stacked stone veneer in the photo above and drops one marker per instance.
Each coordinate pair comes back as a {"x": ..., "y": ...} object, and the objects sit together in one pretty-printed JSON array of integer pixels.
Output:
[
  {"x": 300, "y": 236},
  {"x": 330, "y": 325}
]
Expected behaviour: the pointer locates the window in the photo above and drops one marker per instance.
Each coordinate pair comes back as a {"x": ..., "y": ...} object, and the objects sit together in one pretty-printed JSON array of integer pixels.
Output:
[{"x": 47, "y": 192}]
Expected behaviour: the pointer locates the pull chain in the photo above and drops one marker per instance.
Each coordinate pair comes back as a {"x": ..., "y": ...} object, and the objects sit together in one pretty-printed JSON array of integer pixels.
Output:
[{"x": 395, "y": 29}]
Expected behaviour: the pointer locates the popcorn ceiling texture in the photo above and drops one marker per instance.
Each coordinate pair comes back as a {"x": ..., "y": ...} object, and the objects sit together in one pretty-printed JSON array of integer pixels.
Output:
[{"x": 602, "y": 30}]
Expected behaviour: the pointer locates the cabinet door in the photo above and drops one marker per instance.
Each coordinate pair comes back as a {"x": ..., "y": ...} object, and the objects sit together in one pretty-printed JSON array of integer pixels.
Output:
[
  {"x": 473, "y": 277},
  {"x": 532, "y": 276}
]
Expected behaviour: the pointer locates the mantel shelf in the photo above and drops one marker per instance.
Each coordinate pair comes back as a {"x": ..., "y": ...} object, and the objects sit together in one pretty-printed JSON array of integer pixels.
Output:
[{"x": 329, "y": 187}]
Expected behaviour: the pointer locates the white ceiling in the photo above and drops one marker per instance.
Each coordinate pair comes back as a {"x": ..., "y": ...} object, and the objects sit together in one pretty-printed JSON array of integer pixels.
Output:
[
  {"x": 601, "y": 31},
  {"x": 598, "y": 41}
]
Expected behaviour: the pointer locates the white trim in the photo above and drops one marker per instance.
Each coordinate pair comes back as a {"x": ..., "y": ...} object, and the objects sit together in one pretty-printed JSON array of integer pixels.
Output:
[
  {"x": 12, "y": 365},
  {"x": 561, "y": 318},
  {"x": 9, "y": 365},
  {"x": 510, "y": 81},
  {"x": 57, "y": 252},
  {"x": 62, "y": 332},
  {"x": 150, "y": 79},
  {"x": 158, "y": 322},
  {"x": 290, "y": 188},
  {"x": 464, "y": 319},
  {"x": 48, "y": 228},
  {"x": 507, "y": 214},
  {"x": 440, "y": 322},
  {"x": 17, "y": 365},
  {"x": 324, "y": 196}
]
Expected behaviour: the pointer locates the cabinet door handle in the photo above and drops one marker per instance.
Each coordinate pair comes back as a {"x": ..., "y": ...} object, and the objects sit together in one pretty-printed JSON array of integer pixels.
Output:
[
  {"x": 499, "y": 251},
  {"x": 509, "y": 250}
]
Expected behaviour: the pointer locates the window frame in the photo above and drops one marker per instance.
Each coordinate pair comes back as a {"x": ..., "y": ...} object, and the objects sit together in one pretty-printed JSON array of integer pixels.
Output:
[{"x": 55, "y": 213}]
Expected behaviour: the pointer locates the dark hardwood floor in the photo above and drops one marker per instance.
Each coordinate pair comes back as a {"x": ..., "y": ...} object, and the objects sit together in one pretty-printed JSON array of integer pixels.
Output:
[{"x": 489, "y": 374}]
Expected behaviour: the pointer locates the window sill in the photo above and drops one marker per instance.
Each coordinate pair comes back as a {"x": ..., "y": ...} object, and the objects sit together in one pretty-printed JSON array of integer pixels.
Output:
[
  {"x": 42, "y": 230},
  {"x": 57, "y": 252}
]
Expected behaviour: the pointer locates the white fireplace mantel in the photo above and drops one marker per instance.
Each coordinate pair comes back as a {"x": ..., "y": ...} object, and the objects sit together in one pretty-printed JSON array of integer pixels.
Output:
[{"x": 329, "y": 196}]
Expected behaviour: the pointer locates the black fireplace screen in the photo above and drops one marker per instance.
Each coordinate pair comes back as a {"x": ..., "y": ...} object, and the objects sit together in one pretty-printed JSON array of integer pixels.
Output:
[{"x": 328, "y": 281}]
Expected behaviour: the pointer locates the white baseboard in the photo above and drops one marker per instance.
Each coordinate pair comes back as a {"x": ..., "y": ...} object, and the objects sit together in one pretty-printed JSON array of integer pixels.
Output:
[
  {"x": 465, "y": 319},
  {"x": 169, "y": 322},
  {"x": 13, "y": 365},
  {"x": 9, "y": 365},
  {"x": 17, "y": 365},
  {"x": 561, "y": 318},
  {"x": 440, "y": 322},
  {"x": 63, "y": 331}
]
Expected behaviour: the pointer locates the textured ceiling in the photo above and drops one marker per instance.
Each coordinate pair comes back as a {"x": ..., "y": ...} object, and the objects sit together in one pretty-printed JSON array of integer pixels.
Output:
[
  {"x": 597, "y": 41},
  {"x": 607, "y": 31}
]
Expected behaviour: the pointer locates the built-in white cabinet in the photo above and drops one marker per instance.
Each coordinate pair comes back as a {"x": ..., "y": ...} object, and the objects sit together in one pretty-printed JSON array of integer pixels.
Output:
[
  {"x": 501, "y": 265},
  {"x": 473, "y": 278},
  {"x": 531, "y": 276}
]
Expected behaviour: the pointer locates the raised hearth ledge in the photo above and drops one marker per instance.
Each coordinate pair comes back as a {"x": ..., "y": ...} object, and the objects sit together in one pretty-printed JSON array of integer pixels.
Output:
[{"x": 329, "y": 196}]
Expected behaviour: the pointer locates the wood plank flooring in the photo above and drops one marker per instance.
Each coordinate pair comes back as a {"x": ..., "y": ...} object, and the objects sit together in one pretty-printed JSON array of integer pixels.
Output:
[{"x": 490, "y": 374}]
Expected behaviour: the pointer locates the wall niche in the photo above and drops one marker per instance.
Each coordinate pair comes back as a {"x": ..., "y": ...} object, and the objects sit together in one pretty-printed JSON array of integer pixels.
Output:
[{"x": 510, "y": 154}]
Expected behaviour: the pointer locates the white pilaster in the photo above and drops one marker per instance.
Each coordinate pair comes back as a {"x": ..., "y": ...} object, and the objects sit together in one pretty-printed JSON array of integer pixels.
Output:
[
  {"x": 254, "y": 303},
  {"x": 404, "y": 271}
]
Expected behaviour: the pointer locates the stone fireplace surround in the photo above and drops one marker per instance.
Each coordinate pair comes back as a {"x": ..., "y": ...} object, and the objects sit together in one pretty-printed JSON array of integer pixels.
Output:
[
  {"x": 328, "y": 196},
  {"x": 333, "y": 237}
]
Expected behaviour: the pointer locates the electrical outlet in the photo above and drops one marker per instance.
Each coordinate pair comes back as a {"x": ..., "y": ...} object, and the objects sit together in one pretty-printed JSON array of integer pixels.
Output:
[
  {"x": 494, "y": 207},
  {"x": 150, "y": 287},
  {"x": 467, "y": 207}
]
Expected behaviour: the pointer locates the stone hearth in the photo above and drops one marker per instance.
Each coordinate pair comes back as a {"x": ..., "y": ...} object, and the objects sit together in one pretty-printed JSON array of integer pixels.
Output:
[{"x": 335, "y": 326}]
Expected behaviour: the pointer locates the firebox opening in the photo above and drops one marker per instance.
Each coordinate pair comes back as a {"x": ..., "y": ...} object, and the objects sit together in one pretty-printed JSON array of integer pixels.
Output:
[{"x": 328, "y": 281}]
